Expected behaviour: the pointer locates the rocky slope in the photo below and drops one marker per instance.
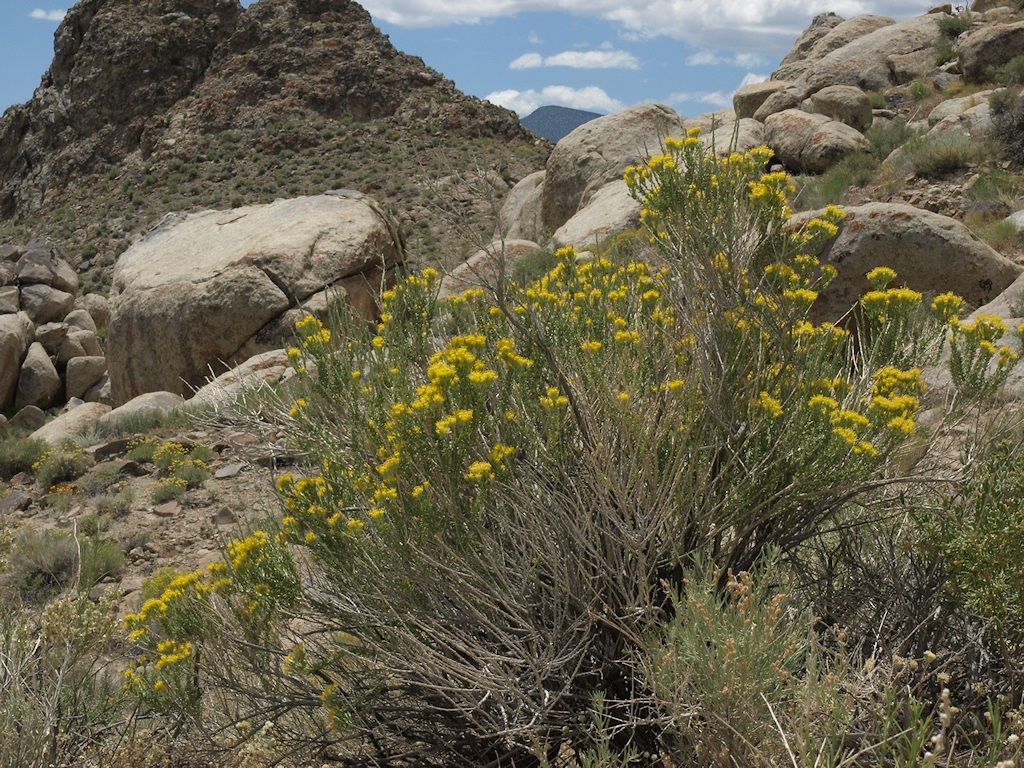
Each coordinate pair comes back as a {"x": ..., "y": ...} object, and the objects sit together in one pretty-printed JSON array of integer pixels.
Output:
[{"x": 152, "y": 106}]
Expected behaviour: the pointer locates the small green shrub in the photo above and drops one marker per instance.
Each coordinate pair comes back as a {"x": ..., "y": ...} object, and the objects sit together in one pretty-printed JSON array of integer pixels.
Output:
[
  {"x": 944, "y": 153},
  {"x": 1008, "y": 123},
  {"x": 1009, "y": 74},
  {"x": 855, "y": 170},
  {"x": 93, "y": 525},
  {"x": 953, "y": 26},
  {"x": 168, "y": 488},
  {"x": 114, "y": 505},
  {"x": 99, "y": 480},
  {"x": 944, "y": 52},
  {"x": 167, "y": 454},
  {"x": 918, "y": 91},
  {"x": 193, "y": 471},
  {"x": 58, "y": 694},
  {"x": 883, "y": 139},
  {"x": 142, "y": 449},
  {"x": 60, "y": 465},
  {"x": 1002, "y": 235},
  {"x": 100, "y": 559},
  {"x": 979, "y": 536},
  {"x": 996, "y": 184},
  {"x": 41, "y": 563},
  {"x": 878, "y": 100},
  {"x": 19, "y": 455}
]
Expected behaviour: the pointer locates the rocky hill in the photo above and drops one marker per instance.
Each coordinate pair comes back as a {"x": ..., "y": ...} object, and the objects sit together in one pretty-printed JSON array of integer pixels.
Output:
[{"x": 153, "y": 106}]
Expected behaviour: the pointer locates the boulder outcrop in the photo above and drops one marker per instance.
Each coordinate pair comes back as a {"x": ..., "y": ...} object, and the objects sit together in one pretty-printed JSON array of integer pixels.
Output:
[
  {"x": 193, "y": 297},
  {"x": 866, "y": 61},
  {"x": 838, "y": 33},
  {"x": 845, "y": 103},
  {"x": 37, "y": 294},
  {"x": 609, "y": 210}
]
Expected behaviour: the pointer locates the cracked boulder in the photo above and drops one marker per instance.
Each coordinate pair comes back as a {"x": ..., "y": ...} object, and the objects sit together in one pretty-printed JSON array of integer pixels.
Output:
[
  {"x": 202, "y": 293},
  {"x": 809, "y": 143}
]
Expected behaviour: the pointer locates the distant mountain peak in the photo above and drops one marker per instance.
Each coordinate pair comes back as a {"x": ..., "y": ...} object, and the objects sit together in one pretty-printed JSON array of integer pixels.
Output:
[{"x": 554, "y": 123}]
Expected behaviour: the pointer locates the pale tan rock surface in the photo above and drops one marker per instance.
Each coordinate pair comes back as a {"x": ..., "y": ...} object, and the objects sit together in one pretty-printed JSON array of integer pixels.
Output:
[
  {"x": 191, "y": 295},
  {"x": 810, "y": 143},
  {"x": 929, "y": 252},
  {"x": 599, "y": 152}
]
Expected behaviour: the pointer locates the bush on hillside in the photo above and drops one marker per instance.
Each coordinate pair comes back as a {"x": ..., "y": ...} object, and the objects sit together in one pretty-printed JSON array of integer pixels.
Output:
[
  {"x": 521, "y": 502},
  {"x": 1008, "y": 124}
]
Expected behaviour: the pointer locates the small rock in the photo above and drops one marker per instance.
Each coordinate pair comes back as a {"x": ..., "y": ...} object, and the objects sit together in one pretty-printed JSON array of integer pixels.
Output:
[
  {"x": 133, "y": 582},
  {"x": 39, "y": 383},
  {"x": 30, "y": 418},
  {"x": 68, "y": 424},
  {"x": 98, "y": 591},
  {"x": 81, "y": 319},
  {"x": 82, "y": 374},
  {"x": 43, "y": 303},
  {"x": 15, "y": 501},
  {"x": 276, "y": 460},
  {"x": 9, "y": 300},
  {"x": 129, "y": 467},
  {"x": 167, "y": 509},
  {"x": 104, "y": 451},
  {"x": 229, "y": 470},
  {"x": 223, "y": 516},
  {"x": 51, "y": 335},
  {"x": 151, "y": 403}
]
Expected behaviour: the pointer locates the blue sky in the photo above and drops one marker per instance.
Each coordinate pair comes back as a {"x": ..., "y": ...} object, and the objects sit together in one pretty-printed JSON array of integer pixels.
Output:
[{"x": 599, "y": 55}]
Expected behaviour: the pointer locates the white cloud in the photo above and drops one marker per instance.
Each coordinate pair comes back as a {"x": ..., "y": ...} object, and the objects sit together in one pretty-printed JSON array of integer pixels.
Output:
[
  {"x": 712, "y": 98},
  {"x": 535, "y": 39},
  {"x": 605, "y": 59},
  {"x": 593, "y": 60},
  {"x": 528, "y": 61},
  {"x": 750, "y": 78},
  {"x": 702, "y": 59},
  {"x": 39, "y": 13},
  {"x": 717, "y": 99},
  {"x": 706, "y": 58},
  {"x": 524, "y": 102},
  {"x": 752, "y": 26}
]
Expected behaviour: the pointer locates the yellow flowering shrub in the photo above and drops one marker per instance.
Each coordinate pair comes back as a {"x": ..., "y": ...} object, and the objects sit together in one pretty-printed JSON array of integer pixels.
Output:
[{"x": 501, "y": 489}]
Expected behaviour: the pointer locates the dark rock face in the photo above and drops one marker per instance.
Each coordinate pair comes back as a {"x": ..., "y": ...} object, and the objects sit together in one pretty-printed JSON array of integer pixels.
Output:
[
  {"x": 138, "y": 76},
  {"x": 117, "y": 64}
]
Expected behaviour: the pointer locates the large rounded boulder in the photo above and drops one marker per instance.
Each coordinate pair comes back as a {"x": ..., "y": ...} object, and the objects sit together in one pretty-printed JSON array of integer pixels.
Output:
[
  {"x": 204, "y": 292},
  {"x": 599, "y": 152},
  {"x": 989, "y": 47},
  {"x": 930, "y": 253}
]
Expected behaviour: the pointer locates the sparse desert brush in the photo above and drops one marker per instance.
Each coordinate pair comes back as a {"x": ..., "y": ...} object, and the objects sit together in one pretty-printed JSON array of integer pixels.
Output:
[
  {"x": 57, "y": 695},
  {"x": 61, "y": 464},
  {"x": 18, "y": 455},
  {"x": 509, "y": 492}
]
